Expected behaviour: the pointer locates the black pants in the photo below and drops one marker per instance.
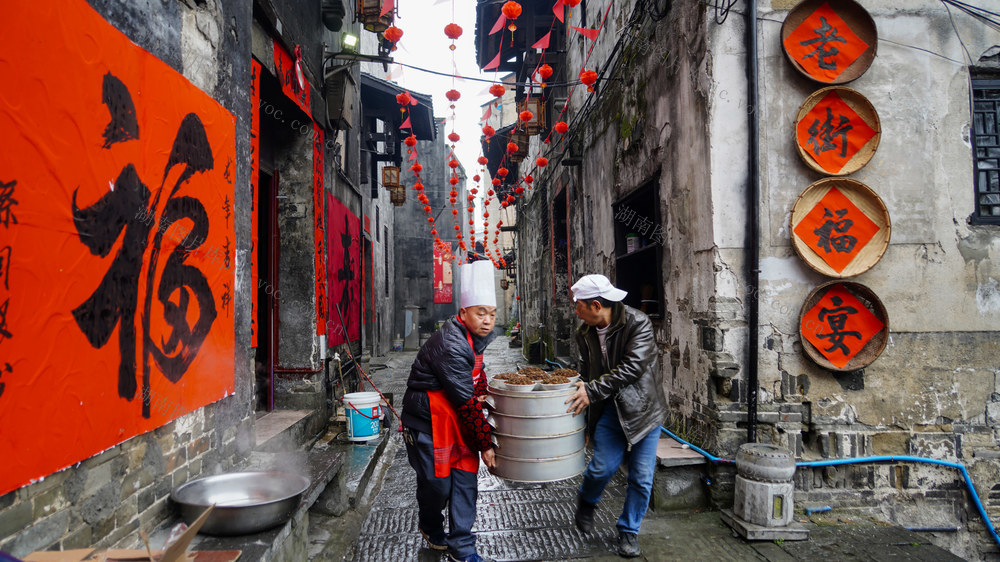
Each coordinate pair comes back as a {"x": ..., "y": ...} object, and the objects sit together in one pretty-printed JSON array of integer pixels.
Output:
[{"x": 459, "y": 491}]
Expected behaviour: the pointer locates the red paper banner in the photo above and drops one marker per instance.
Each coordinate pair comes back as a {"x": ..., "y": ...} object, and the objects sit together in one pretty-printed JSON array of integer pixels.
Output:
[
  {"x": 839, "y": 325},
  {"x": 116, "y": 229},
  {"x": 255, "y": 70},
  {"x": 284, "y": 67},
  {"x": 836, "y": 229},
  {"x": 824, "y": 45},
  {"x": 832, "y": 133},
  {"x": 343, "y": 237},
  {"x": 443, "y": 275},
  {"x": 319, "y": 235}
]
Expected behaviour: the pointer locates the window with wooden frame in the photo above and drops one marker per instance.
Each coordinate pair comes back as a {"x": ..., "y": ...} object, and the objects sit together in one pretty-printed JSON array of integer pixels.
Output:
[
  {"x": 986, "y": 149},
  {"x": 639, "y": 240}
]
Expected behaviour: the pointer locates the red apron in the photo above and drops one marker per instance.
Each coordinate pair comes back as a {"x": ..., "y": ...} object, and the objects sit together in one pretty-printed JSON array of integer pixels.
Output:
[{"x": 450, "y": 450}]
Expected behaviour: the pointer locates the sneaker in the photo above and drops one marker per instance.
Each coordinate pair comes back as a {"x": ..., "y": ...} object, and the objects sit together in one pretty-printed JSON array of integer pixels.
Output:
[
  {"x": 474, "y": 557},
  {"x": 584, "y": 515},
  {"x": 435, "y": 542},
  {"x": 628, "y": 545}
]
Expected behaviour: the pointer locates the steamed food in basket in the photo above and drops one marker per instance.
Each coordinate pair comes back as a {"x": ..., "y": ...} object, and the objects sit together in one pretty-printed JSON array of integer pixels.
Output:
[{"x": 533, "y": 378}]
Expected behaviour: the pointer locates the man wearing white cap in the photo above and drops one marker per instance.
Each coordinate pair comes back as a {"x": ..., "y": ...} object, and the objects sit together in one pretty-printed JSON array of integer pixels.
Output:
[
  {"x": 443, "y": 417},
  {"x": 624, "y": 389}
]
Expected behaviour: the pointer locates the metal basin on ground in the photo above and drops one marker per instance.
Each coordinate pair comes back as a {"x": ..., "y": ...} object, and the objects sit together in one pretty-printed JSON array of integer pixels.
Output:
[
  {"x": 535, "y": 426},
  {"x": 528, "y": 448},
  {"x": 541, "y": 470},
  {"x": 245, "y": 502}
]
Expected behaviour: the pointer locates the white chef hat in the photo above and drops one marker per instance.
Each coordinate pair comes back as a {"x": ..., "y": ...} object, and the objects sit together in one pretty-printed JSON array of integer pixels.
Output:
[{"x": 477, "y": 284}]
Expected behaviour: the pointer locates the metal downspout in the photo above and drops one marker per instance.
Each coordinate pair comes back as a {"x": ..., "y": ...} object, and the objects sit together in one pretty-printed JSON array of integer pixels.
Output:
[{"x": 752, "y": 259}]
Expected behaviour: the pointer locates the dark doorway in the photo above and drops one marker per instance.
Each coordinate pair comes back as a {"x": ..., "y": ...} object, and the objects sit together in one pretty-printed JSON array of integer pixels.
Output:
[
  {"x": 267, "y": 290},
  {"x": 368, "y": 282}
]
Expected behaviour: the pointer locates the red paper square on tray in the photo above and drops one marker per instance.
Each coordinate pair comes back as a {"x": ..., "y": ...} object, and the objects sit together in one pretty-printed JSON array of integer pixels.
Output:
[
  {"x": 824, "y": 45},
  {"x": 836, "y": 229},
  {"x": 839, "y": 325},
  {"x": 832, "y": 133}
]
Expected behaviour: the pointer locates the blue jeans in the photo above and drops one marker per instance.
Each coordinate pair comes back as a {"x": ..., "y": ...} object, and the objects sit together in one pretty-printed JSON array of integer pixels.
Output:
[
  {"x": 458, "y": 490},
  {"x": 610, "y": 447}
]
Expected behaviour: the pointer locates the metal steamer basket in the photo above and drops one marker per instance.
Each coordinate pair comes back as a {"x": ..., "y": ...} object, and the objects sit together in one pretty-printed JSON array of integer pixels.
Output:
[{"x": 537, "y": 441}]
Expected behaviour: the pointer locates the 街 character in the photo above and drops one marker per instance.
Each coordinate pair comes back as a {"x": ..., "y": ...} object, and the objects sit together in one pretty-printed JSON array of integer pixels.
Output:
[
  {"x": 826, "y": 33},
  {"x": 827, "y": 131},
  {"x": 115, "y": 300},
  {"x": 836, "y": 318},
  {"x": 827, "y": 240}
]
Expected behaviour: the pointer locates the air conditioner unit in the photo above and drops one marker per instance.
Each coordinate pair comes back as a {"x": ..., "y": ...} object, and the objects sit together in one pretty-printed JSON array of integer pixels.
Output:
[{"x": 341, "y": 97}]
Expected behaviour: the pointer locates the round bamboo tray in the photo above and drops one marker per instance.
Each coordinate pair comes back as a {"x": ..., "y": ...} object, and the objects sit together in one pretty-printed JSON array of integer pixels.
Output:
[
  {"x": 867, "y": 201},
  {"x": 855, "y": 16},
  {"x": 875, "y": 345},
  {"x": 862, "y": 107}
]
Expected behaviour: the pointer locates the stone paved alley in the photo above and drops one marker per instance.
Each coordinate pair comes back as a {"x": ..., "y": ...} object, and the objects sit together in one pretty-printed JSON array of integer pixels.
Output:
[{"x": 535, "y": 521}]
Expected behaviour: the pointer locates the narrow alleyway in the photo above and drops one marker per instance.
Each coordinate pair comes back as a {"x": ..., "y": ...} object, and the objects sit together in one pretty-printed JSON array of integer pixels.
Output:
[{"x": 534, "y": 522}]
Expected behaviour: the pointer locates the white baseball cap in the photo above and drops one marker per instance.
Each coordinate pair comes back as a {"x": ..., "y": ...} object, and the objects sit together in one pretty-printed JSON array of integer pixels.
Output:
[{"x": 593, "y": 286}]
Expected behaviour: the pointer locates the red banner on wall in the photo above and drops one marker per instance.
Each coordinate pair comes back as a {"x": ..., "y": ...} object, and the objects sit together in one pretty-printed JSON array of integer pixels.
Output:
[
  {"x": 117, "y": 238},
  {"x": 839, "y": 325},
  {"x": 293, "y": 80},
  {"x": 343, "y": 238},
  {"x": 319, "y": 235},
  {"x": 442, "y": 275},
  {"x": 254, "y": 186}
]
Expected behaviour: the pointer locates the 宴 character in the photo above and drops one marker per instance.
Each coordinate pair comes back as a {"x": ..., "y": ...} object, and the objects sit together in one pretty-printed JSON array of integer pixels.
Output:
[
  {"x": 836, "y": 319},
  {"x": 826, "y": 33},
  {"x": 831, "y": 242}
]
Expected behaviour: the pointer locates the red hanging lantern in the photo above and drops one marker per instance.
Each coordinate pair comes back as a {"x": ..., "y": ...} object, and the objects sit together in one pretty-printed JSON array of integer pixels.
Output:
[
  {"x": 434, "y": 232},
  {"x": 453, "y": 95},
  {"x": 511, "y": 147},
  {"x": 496, "y": 182},
  {"x": 474, "y": 190},
  {"x": 588, "y": 77},
  {"x": 571, "y": 3},
  {"x": 430, "y": 220},
  {"x": 519, "y": 190},
  {"x": 504, "y": 204},
  {"x": 453, "y": 180},
  {"x": 410, "y": 141},
  {"x": 497, "y": 90},
  {"x": 453, "y": 192},
  {"x": 453, "y": 136},
  {"x": 416, "y": 167},
  {"x": 475, "y": 178},
  {"x": 542, "y": 162},
  {"x": 482, "y": 159},
  {"x": 393, "y": 33},
  {"x": 502, "y": 172},
  {"x": 418, "y": 186},
  {"x": 512, "y": 10},
  {"x": 488, "y": 132},
  {"x": 526, "y": 115},
  {"x": 545, "y": 71},
  {"x": 403, "y": 98},
  {"x": 486, "y": 214},
  {"x": 561, "y": 127},
  {"x": 453, "y": 164},
  {"x": 454, "y": 31}
]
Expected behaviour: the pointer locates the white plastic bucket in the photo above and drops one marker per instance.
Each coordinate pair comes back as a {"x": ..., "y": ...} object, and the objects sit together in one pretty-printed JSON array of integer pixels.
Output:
[{"x": 363, "y": 414}]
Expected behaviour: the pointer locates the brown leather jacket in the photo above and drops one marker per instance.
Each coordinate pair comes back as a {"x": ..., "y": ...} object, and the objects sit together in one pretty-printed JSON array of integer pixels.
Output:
[{"x": 634, "y": 380}]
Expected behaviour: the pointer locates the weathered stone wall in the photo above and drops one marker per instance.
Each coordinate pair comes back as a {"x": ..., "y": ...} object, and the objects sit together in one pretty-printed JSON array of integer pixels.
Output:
[{"x": 108, "y": 497}]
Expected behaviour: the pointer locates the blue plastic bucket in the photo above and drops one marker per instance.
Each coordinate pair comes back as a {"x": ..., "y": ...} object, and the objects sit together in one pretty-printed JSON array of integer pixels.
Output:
[{"x": 363, "y": 415}]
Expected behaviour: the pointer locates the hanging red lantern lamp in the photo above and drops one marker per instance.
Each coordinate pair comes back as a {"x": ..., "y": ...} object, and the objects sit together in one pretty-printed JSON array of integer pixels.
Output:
[
  {"x": 453, "y": 136},
  {"x": 486, "y": 214},
  {"x": 453, "y": 31},
  {"x": 453, "y": 164},
  {"x": 528, "y": 179},
  {"x": 453, "y": 95},
  {"x": 418, "y": 186},
  {"x": 453, "y": 194},
  {"x": 410, "y": 141},
  {"x": 542, "y": 162},
  {"x": 458, "y": 227},
  {"x": 416, "y": 167},
  {"x": 427, "y": 208},
  {"x": 482, "y": 159},
  {"x": 471, "y": 198},
  {"x": 488, "y": 132},
  {"x": 504, "y": 204},
  {"x": 510, "y": 198},
  {"x": 502, "y": 172},
  {"x": 588, "y": 77},
  {"x": 474, "y": 190},
  {"x": 490, "y": 193},
  {"x": 519, "y": 190},
  {"x": 497, "y": 90},
  {"x": 561, "y": 127},
  {"x": 430, "y": 220},
  {"x": 526, "y": 115},
  {"x": 434, "y": 232},
  {"x": 453, "y": 180},
  {"x": 472, "y": 222},
  {"x": 511, "y": 147},
  {"x": 512, "y": 10},
  {"x": 496, "y": 183},
  {"x": 545, "y": 71},
  {"x": 393, "y": 33},
  {"x": 452, "y": 201},
  {"x": 476, "y": 177},
  {"x": 403, "y": 98}
]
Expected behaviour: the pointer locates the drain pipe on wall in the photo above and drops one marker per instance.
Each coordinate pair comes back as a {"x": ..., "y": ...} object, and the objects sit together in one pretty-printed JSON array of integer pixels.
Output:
[
  {"x": 861, "y": 460},
  {"x": 752, "y": 260}
]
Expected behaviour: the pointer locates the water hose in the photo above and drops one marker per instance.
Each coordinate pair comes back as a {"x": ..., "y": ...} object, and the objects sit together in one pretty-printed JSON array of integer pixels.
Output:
[{"x": 859, "y": 460}]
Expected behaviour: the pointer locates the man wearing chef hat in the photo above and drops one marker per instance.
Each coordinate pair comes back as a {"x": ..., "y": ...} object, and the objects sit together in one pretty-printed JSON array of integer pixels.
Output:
[
  {"x": 443, "y": 416},
  {"x": 622, "y": 385}
]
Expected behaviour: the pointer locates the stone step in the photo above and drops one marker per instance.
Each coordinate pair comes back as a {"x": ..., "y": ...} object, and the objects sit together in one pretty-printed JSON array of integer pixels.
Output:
[{"x": 679, "y": 482}]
